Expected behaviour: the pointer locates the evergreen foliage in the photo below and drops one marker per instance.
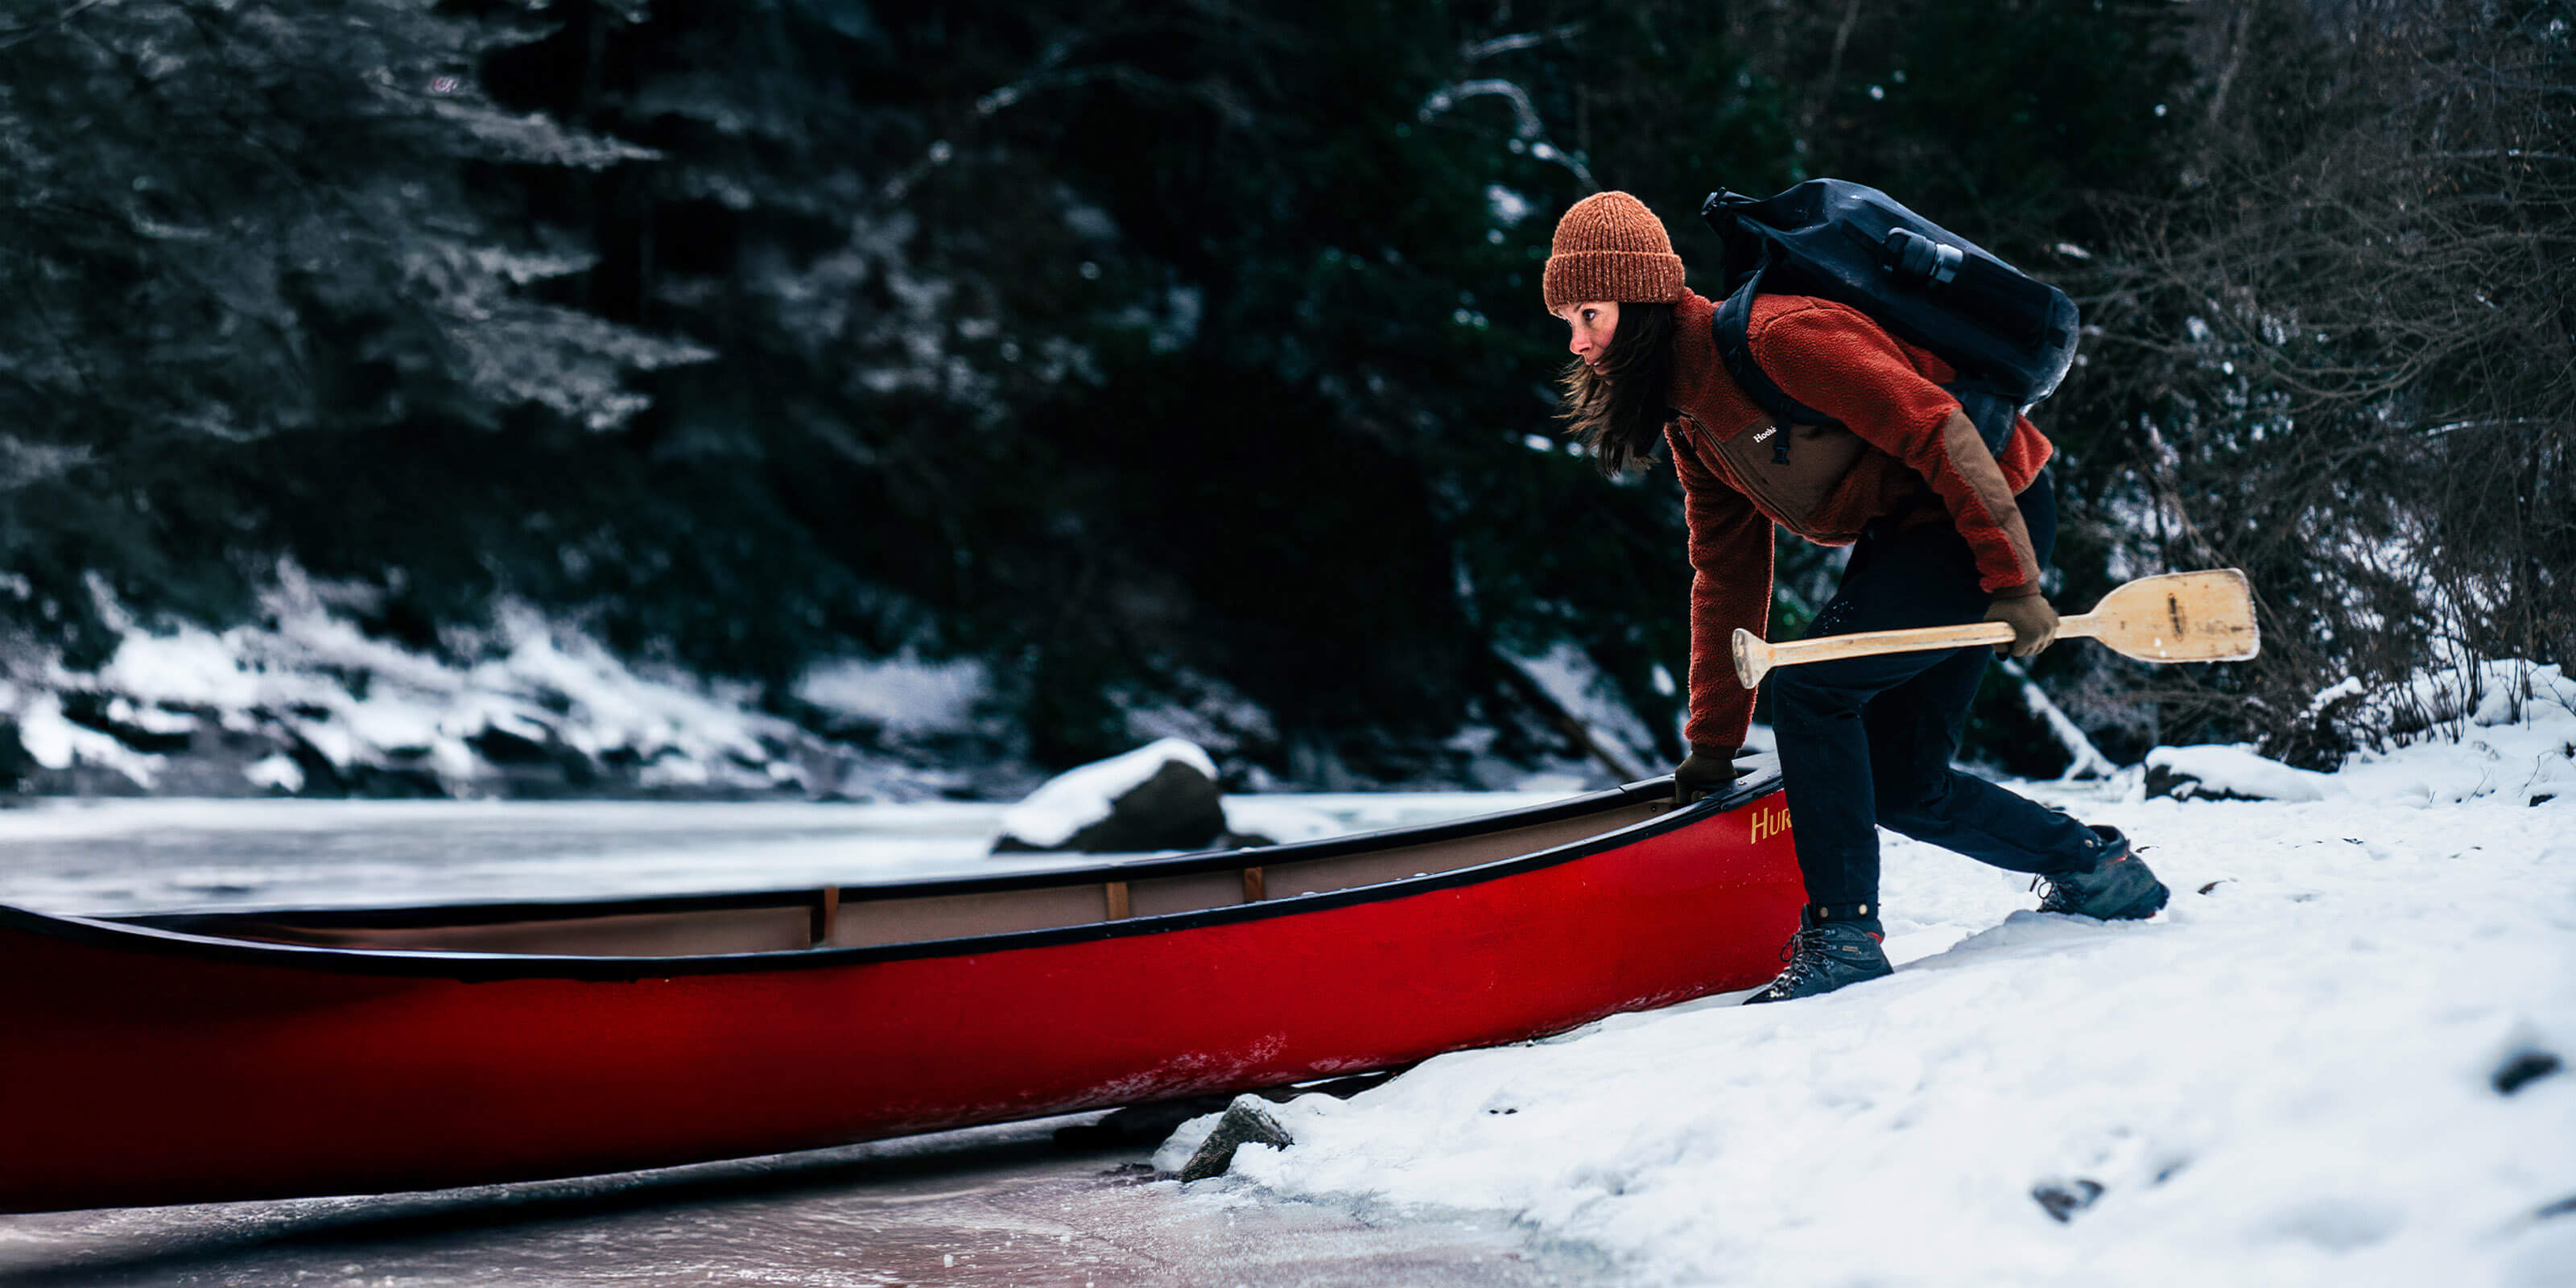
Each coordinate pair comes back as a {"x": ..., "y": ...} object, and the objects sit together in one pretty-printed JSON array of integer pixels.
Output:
[
  {"x": 231, "y": 226},
  {"x": 1185, "y": 363}
]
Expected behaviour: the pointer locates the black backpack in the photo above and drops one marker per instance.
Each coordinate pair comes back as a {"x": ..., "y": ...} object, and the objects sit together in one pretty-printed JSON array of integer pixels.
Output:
[{"x": 2010, "y": 337}]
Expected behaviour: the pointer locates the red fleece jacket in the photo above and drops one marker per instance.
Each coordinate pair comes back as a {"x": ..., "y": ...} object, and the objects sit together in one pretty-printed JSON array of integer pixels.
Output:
[{"x": 1887, "y": 392}]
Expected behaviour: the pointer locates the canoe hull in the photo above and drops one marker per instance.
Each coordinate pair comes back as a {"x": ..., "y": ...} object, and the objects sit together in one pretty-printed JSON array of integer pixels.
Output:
[{"x": 142, "y": 1069}]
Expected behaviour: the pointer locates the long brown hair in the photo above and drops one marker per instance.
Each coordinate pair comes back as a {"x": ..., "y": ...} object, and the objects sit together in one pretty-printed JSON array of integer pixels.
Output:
[{"x": 1618, "y": 410}]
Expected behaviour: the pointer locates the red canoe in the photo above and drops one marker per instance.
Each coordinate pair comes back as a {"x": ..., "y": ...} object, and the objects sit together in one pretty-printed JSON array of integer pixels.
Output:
[{"x": 202, "y": 1057}]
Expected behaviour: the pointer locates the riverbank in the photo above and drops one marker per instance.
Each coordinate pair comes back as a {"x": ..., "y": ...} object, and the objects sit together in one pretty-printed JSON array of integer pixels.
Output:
[{"x": 307, "y": 703}]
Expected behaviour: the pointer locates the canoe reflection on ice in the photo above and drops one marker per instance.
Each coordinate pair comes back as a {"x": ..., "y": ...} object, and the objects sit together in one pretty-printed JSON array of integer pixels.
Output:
[{"x": 981, "y": 1206}]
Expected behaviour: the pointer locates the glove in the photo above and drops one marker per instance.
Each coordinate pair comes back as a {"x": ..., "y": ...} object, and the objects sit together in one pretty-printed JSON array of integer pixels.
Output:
[
  {"x": 2034, "y": 624},
  {"x": 1709, "y": 769}
]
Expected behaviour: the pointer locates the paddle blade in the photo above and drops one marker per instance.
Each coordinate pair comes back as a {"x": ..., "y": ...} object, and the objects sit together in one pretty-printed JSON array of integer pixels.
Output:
[
  {"x": 2180, "y": 617},
  {"x": 1752, "y": 658}
]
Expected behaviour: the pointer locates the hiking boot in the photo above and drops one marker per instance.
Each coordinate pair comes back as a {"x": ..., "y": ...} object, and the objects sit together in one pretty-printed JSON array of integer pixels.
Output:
[
  {"x": 2114, "y": 886},
  {"x": 1823, "y": 957}
]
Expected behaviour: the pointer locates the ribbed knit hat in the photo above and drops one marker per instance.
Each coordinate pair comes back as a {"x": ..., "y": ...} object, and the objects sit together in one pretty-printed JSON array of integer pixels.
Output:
[{"x": 1610, "y": 247}]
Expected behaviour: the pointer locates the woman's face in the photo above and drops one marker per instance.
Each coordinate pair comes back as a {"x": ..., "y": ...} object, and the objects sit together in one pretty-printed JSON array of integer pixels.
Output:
[{"x": 1594, "y": 321}]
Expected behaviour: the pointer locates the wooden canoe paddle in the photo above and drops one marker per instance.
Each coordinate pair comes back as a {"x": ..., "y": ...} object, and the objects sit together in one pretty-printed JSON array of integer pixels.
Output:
[{"x": 2177, "y": 617}]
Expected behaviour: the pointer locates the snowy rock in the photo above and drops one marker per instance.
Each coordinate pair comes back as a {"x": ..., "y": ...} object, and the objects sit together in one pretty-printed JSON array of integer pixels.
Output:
[
  {"x": 2229, "y": 773},
  {"x": 1246, "y": 1122},
  {"x": 279, "y": 774},
  {"x": 1161, "y": 796}
]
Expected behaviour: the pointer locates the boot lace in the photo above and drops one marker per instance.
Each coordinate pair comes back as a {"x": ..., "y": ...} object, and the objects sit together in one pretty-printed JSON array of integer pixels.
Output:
[
  {"x": 2062, "y": 892},
  {"x": 2059, "y": 893},
  {"x": 1805, "y": 954}
]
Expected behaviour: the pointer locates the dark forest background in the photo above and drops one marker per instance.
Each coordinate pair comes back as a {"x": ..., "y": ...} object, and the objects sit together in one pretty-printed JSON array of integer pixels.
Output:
[{"x": 1190, "y": 353}]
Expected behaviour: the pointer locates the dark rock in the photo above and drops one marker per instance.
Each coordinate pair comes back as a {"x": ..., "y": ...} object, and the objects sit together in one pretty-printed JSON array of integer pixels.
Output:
[
  {"x": 322, "y": 776},
  {"x": 2163, "y": 781},
  {"x": 2062, "y": 1199},
  {"x": 580, "y": 772},
  {"x": 1242, "y": 1125},
  {"x": 1176, "y": 808},
  {"x": 91, "y": 710},
  {"x": 544, "y": 767},
  {"x": 503, "y": 747},
  {"x": 2523, "y": 1068},
  {"x": 17, "y": 766},
  {"x": 395, "y": 782},
  {"x": 1140, "y": 1124}
]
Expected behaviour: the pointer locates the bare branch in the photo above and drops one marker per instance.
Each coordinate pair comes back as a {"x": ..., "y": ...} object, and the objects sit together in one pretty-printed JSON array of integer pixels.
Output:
[
  {"x": 1478, "y": 50},
  {"x": 1527, "y": 126},
  {"x": 12, "y": 36}
]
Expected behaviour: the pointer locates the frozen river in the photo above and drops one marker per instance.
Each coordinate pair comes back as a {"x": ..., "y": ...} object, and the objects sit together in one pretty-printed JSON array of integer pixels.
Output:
[
  {"x": 104, "y": 857},
  {"x": 989, "y": 1206}
]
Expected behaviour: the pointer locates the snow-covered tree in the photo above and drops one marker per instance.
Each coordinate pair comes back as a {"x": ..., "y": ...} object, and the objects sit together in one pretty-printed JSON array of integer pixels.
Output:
[{"x": 228, "y": 224}]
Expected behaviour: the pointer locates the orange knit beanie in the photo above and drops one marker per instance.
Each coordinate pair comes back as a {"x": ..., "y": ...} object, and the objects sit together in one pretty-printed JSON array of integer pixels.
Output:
[{"x": 1610, "y": 247}]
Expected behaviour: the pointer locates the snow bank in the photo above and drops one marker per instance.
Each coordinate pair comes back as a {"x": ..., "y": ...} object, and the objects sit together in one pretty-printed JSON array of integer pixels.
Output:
[
  {"x": 2508, "y": 730},
  {"x": 53, "y": 741},
  {"x": 2237, "y": 771},
  {"x": 307, "y": 701},
  {"x": 2318, "y": 1066}
]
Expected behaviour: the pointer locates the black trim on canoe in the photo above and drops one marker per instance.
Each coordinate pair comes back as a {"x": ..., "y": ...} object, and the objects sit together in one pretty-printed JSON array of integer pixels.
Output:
[{"x": 174, "y": 933}]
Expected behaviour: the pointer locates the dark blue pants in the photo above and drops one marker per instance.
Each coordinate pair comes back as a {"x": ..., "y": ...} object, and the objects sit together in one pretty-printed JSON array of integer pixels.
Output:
[{"x": 1867, "y": 741}]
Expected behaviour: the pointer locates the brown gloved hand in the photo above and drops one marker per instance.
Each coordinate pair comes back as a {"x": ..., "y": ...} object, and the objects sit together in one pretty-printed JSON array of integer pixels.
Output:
[
  {"x": 1709, "y": 769},
  {"x": 2034, "y": 624}
]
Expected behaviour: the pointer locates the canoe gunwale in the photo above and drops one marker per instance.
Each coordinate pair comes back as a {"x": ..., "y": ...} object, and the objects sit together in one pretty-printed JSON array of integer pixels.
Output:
[{"x": 141, "y": 934}]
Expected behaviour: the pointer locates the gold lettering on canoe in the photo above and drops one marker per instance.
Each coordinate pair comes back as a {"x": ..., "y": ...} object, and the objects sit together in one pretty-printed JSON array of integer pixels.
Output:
[{"x": 1769, "y": 821}]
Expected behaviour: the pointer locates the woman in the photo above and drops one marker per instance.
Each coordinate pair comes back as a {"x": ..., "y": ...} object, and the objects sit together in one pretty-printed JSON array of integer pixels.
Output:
[{"x": 1942, "y": 529}]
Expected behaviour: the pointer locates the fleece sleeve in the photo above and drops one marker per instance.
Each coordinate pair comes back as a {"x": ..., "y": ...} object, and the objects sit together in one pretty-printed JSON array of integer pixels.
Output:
[
  {"x": 1842, "y": 364},
  {"x": 1730, "y": 558}
]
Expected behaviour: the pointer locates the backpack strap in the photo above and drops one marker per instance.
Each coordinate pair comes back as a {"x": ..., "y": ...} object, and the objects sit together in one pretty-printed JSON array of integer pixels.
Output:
[
  {"x": 1735, "y": 347},
  {"x": 1994, "y": 414}
]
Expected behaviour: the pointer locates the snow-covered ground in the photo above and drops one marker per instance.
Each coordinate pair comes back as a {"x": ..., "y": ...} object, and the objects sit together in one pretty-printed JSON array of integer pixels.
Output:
[{"x": 2341, "y": 1056}]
